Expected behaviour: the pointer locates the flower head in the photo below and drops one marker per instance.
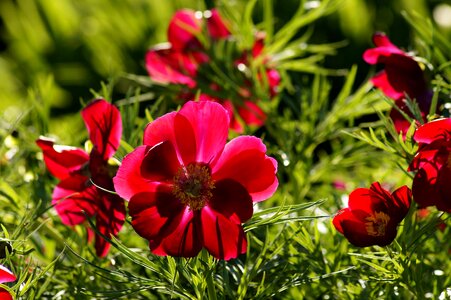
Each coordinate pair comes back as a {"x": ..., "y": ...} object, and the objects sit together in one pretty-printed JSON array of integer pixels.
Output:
[
  {"x": 85, "y": 179},
  {"x": 372, "y": 215},
  {"x": 189, "y": 189},
  {"x": 6, "y": 276},
  {"x": 402, "y": 76},
  {"x": 431, "y": 184}
]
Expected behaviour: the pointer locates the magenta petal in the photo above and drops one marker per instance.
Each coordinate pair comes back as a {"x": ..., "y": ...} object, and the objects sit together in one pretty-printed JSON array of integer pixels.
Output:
[
  {"x": 182, "y": 30},
  {"x": 160, "y": 163},
  {"x": 204, "y": 116},
  {"x": 381, "y": 40},
  {"x": 244, "y": 160},
  {"x": 160, "y": 130},
  {"x": 6, "y": 275},
  {"x": 431, "y": 131},
  {"x": 380, "y": 80},
  {"x": 251, "y": 113},
  {"x": 216, "y": 26},
  {"x": 129, "y": 180},
  {"x": 73, "y": 198},
  {"x": 61, "y": 161},
  {"x": 104, "y": 124},
  {"x": 168, "y": 66},
  {"x": 232, "y": 200},
  {"x": 185, "y": 139},
  {"x": 223, "y": 238},
  {"x": 184, "y": 238}
]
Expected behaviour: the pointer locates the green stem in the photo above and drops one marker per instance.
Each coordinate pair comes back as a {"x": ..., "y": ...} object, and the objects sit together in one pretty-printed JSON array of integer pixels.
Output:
[{"x": 211, "y": 289}]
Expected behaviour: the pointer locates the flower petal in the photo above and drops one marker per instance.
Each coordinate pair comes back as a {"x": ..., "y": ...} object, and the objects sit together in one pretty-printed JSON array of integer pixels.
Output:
[
  {"x": 244, "y": 160},
  {"x": 160, "y": 162},
  {"x": 104, "y": 124},
  {"x": 400, "y": 205},
  {"x": 223, "y": 238},
  {"x": 73, "y": 198},
  {"x": 129, "y": 179},
  {"x": 61, "y": 161},
  {"x": 5, "y": 295},
  {"x": 434, "y": 130},
  {"x": 251, "y": 113},
  {"x": 210, "y": 123},
  {"x": 381, "y": 81},
  {"x": 181, "y": 236},
  {"x": 232, "y": 200},
  {"x": 216, "y": 26},
  {"x": 182, "y": 30},
  {"x": 6, "y": 275},
  {"x": 424, "y": 186}
]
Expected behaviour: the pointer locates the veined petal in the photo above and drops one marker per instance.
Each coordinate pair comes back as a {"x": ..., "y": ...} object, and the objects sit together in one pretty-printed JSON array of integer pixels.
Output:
[
  {"x": 73, "y": 198},
  {"x": 223, "y": 238},
  {"x": 61, "y": 161},
  {"x": 244, "y": 160}
]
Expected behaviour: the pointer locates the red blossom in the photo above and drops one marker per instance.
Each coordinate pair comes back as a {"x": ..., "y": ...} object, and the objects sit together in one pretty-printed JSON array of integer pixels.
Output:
[
  {"x": 179, "y": 61},
  {"x": 402, "y": 76},
  {"x": 85, "y": 179},
  {"x": 432, "y": 162},
  {"x": 372, "y": 215},
  {"x": 189, "y": 189},
  {"x": 6, "y": 276}
]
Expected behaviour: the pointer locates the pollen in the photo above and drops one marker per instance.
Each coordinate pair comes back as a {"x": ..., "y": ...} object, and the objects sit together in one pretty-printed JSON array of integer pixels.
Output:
[
  {"x": 377, "y": 224},
  {"x": 193, "y": 185}
]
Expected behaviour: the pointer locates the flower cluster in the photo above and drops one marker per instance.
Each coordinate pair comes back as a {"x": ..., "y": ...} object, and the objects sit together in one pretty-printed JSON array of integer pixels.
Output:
[
  {"x": 186, "y": 58},
  {"x": 85, "y": 187},
  {"x": 402, "y": 77}
]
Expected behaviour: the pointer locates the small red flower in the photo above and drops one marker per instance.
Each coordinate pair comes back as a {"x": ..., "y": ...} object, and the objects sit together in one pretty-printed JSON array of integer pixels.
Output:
[
  {"x": 178, "y": 62},
  {"x": 431, "y": 184},
  {"x": 372, "y": 215},
  {"x": 188, "y": 189},
  {"x": 401, "y": 75},
  {"x": 86, "y": 178},
  {"x": 6, "y": 276}
]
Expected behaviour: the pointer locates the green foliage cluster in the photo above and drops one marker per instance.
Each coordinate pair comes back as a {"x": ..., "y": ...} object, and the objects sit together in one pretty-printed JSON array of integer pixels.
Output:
[{"x": 326, "y": 127}]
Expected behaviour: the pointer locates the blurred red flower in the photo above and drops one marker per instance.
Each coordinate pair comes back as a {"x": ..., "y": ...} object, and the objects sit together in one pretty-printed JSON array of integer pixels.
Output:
[
  {"x": 188, "y": 189},
  {"x": 431, "y": 184},
  {"x": 86, "y": 179},
  {"x": 401, "y": 76},
  {"x": 6, "y": 276},
  {"x": 372, "y": 215},
  {"x": 179, "y": 61}
]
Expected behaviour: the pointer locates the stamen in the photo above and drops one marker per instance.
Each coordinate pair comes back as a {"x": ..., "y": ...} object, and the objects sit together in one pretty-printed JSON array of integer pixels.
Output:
[{"x": 377, "y": 224}]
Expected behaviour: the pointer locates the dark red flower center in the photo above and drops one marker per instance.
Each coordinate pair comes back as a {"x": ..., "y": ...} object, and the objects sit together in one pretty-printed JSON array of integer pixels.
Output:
[
  {"x": 377, "y": 224},
  {"x": 193, "y": 185}
]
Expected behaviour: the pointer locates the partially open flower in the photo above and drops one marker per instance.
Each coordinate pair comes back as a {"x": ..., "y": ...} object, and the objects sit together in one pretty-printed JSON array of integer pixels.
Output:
[
  {"x": 86, "y": 178},
  {"x": 189, "y": 189},
  {"x": 373, "y": 215},
  {"x": 6, "y": 276},
  {"x": 431, "y": 184}
]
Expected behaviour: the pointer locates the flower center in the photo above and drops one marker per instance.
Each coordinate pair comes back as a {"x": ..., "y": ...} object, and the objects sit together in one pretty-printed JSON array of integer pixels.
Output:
[
  {"x": 377, "y": 224},
  {"x": 193, "y": 185}
]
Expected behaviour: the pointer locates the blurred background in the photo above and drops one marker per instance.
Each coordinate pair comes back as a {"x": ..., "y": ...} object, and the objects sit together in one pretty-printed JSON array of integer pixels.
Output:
[{"x": 52, "y": 53}]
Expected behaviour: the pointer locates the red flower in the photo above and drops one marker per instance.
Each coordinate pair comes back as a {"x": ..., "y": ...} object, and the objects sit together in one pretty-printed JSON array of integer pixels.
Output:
[
  {"x": 373, "y": 215},
  {"x": 188, "y": 189},
  {"x": 178, "y": 62},
  {"x": 6, "y": 276},
  {"x": 431, "y": 184},
  {"x": 401, "y": 75},
  {"x": 86, "y": 178}
]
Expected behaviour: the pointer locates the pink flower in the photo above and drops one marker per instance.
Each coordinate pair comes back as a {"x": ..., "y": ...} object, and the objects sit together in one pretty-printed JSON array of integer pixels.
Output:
[
  {"x": 179, "y": 62},
  {"x": 373, "y": 215},
  {"x": 87, "y": 178},
  {"x": 6, "y": 276},
  {"x": 401, "y": 75},
  {"x": 431, "y": 184},
  {"x": 189, "y": 189}
]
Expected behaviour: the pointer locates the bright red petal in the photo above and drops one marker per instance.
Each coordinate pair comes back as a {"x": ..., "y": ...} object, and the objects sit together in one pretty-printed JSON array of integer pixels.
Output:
[
  {"x": 434, "y": 130},
  {"x": 210, "y": 124},
  {"x": 232, "y": 200},
  {"x": 61, "y": 161},
  {"x": 129, "y": 179},
  {"x": 182, "y": 30},
  {"x": 424, "y": 188},
  {"x": 251, "y": 113},
  {"x": 400, "y": 205},
  {"x": 244, "y": 160},
  {"x": 443, "y": 183},
  {"x": 181, "y": 236},
  {"x": 381, "y": 40},
  {"x": 5, "y": 295},
  {"x": 223, "y": 238},
  {"x": 216, "y": 26},
  {"x": 6, "y": 275},
  {"x": 104, "y": 124},
  {"x": 381, "y": 81},
  {"x": 73, "y": 198}
]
